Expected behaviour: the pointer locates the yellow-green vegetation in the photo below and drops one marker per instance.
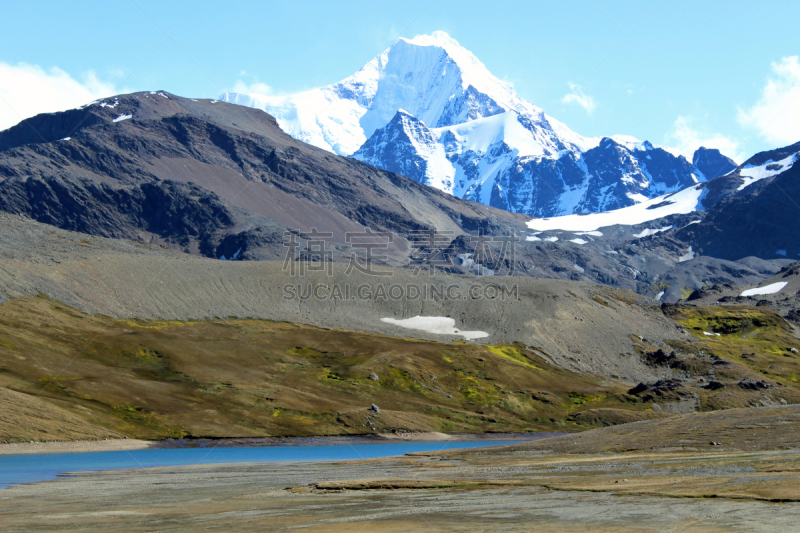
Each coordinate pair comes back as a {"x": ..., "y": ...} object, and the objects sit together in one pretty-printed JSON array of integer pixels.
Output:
[
  {"x": 756, "y": 337},
  {"x": 660, "y": 286},
  {"x": 578, "y": 399},
  {"x": 512, "y": 353},
  {"x": 686, "y": 292},
  {"x": 231, "y": 377}
]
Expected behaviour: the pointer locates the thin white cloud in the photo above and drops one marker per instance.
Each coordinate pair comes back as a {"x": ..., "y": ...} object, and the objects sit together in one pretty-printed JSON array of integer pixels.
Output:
[
  {"x": 686, "y": 139},
  {"x": 577, "y": 96},
  {"x": 253, "y": 88},
  {"x": 776, "y": 115},
  {"x": 27, "y": 90}
]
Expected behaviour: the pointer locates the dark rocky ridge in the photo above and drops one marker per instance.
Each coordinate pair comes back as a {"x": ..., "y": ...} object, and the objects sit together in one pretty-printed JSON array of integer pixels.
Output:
[
  {"x": 189, "y": 173},
  {"x": 760, "y": 220},
  {"x": 223, "y": 180},
  {"x": 712, "y": 163},
  {"x": 610, "y": 175}
]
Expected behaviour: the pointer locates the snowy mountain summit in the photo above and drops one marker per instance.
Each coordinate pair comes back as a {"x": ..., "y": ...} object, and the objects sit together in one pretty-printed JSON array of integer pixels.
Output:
[
  {"x": 431, "y": 77},
  {"x": 429, "y": 109}
]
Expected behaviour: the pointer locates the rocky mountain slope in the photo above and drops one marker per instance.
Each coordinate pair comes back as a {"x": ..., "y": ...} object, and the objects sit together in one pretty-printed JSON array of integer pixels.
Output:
[
  {"x": 429, "y": 109},
  {"x": 711, "y": 233},
  {"x": 756, "y": 210},
  {"x": 211, "y": 178},
  {"x": 495, "y": 161},
  {"x": 224, "y": 181},
  {"x": 711, "y": 163},
  {"x": 127, "y": 279},
  {"x": 556, "y": 353}
]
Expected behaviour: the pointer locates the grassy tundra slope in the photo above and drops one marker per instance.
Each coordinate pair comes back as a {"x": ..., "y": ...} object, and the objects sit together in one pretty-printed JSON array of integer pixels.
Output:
[
  {"x": 225, "y": 378},
  {"x": 248, "y": 377}
]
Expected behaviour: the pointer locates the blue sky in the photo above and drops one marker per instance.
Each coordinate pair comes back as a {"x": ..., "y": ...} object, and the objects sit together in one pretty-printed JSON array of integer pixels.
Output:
[{"x": 679, "y": 73}]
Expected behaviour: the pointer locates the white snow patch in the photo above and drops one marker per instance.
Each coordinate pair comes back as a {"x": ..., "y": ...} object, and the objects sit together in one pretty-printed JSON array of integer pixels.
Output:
[
  {"x": 711, "y": 334},
  {"x": 122, "y": 117},
  {"x": 648, "y": 232},
  {"x": 435, "y": 324},
  {"x": 532, "y": 238},
  {"x": 68, "y": 138},
  {"x": 465, "y": 260},
  {"x": 578, "y": 268},
  {"x": 660, "y": 295},
  {"x": 628, "y": 141},
  {"x": 681, "y": 202},
  {"x": 480, "y": 134},
  {"x": 752, "y": 174},
  {"x": 87, "y": 105},
  {"x": 551, "y": 239},
  {"x": 769, "y": 289},
  {"x": 233, "y": 257},
  {"x": 578, "y": 241},
  {"x": 591, "y": 233},
  {"x": 636, "y": 197},
  {"x": 688, "y": 256}
]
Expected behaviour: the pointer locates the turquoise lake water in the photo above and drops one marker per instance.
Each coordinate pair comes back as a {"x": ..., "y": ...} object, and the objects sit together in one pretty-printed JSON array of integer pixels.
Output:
[{"x": 27, "y": 468}]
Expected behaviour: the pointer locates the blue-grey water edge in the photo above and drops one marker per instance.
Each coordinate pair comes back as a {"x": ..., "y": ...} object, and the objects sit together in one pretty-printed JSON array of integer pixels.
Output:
[{"x": 28, "y": 468}]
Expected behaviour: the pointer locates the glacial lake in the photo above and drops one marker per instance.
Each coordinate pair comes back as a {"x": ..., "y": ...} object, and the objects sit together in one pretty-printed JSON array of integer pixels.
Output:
[{"x": 28, "y": 468}]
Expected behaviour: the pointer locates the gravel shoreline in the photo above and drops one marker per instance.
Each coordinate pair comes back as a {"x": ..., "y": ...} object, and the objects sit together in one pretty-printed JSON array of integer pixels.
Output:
[
  {"x": 107, "y": 445},
  {"x": 110, "y": 445}
]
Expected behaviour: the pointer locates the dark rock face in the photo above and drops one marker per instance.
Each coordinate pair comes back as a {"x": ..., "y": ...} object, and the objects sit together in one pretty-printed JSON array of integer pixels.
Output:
[
  {"x": 705, "y": 292},
  {"x": 746, "y": 216},
  {"x": 609, "y": 176},
  {"x": 393, "y": 145},
  {"x": 661, "y": 358},
  {"x": 623, "y": 172},
  {"x": 761, "y": 222},
  {"x": 750, "y": 384},
  {"x": 712, "y": 163},
  {"x": 180, "y": 213},
  {"x": 732, "y": 183},
  {"x": 660, "y": 391},
  {"x": 261, "y": 243},
  {"x": 472, "y": 104}
]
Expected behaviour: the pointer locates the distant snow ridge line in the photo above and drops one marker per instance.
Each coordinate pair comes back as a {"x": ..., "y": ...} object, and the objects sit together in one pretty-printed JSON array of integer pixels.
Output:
[
  {"x": 682, "y": 202},
  {"x": 499, "y": 161},
  {"x": 753, "y": 173},
  {"x": 427, "y": 108}
]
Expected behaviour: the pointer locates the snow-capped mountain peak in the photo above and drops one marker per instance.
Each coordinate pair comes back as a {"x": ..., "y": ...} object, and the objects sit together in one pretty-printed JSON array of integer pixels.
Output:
[
  {"x": 473, "y": 72},
  {"x": 427, "y": 108},
  {"x": 432, "y": 77}
]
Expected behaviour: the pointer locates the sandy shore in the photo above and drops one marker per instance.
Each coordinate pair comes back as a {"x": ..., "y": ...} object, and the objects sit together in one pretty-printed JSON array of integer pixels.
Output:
[
  {"x": 424, "y": 436},
  {"x": 108, "y": 445},
  {"x": 133, "y": 444}
]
